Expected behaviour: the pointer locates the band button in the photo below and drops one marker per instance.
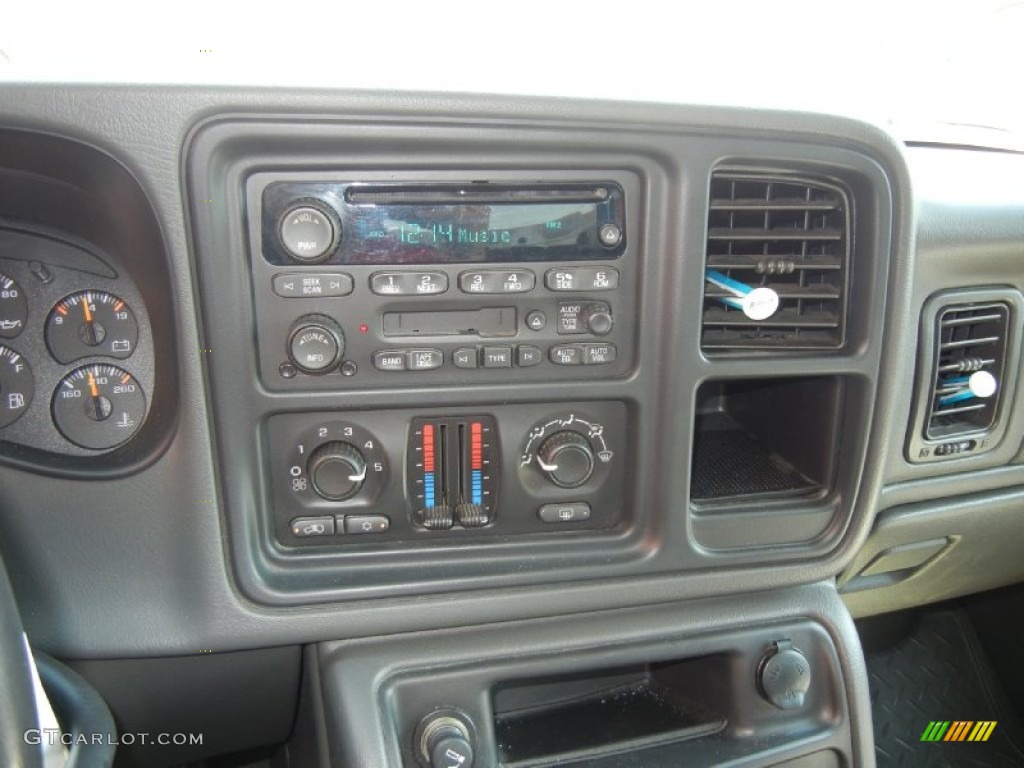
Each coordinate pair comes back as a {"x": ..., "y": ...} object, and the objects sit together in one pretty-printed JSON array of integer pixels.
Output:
[{"x": 389, "y": 360}]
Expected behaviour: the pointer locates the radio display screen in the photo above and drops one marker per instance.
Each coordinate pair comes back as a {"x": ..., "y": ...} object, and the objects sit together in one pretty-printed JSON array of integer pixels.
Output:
[{"x": 437, "y": 224}]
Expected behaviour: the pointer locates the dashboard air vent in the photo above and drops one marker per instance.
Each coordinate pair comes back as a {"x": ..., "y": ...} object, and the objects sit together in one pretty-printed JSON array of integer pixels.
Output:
[
  {"x": 971, "y": 347},
  {"x": 778, "y": 257}
]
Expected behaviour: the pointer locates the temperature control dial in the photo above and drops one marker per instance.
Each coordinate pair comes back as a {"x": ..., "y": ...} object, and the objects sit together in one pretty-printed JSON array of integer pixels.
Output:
[
  {"x": 98, "y": 406},
  {"x": 568, "y": 451},
  {"x": 337, "y": 470},
  {"x": 567, "y": 459},
  {"x": 316, "y": 344}
]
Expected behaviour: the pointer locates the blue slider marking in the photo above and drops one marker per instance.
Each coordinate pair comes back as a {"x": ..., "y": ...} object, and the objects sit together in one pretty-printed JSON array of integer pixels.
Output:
[
  {"x": 734, "y": 286},
  {"x": 956, "y": 397},
  {"x": 478, "y": 487},
  {"x": 428, "y": 489}
]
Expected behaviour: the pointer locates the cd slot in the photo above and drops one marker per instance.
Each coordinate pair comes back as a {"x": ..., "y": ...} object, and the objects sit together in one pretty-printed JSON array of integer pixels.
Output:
[
  {"x": 485, "y": 323},
  {"x": 469, "y": 194}
]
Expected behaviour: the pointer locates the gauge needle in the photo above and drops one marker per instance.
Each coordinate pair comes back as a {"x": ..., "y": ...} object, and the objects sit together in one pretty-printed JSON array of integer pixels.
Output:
[
  {"x": 90, "y": 329},
  {"x": 95, "y": 392}
]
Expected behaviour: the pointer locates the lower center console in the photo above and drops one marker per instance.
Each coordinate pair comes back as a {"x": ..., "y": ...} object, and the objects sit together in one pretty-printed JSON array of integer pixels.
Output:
[{"x": 762, "y": 680}]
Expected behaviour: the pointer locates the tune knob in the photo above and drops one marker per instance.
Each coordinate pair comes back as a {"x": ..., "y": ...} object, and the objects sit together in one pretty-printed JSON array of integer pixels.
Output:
[
  {"x": 316, "y": 344},
  {"x": 337, "y": 471},
  {"x": 567, "y": 459}
]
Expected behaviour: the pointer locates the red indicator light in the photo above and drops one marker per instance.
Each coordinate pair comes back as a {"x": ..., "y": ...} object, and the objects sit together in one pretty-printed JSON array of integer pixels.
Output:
[
  {"x": 476, "y": 445},
  {"x": 428, "y": 447},
  {"x": 364, "y": 328}
]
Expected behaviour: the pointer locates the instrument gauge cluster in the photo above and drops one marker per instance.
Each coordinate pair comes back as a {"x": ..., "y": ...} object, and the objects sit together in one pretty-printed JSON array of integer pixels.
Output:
[{"x": 76, "y": 352}]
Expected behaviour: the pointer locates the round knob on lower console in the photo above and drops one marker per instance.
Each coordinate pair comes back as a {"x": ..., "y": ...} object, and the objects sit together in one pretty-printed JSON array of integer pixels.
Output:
[
  {"x": 316, "y": 344},
  {"x": 337, "y": 470},
  {"x": 598, "y": 321},
  {"x": 784, "y": 676},
  {"x": 567, "y": 459},
  {"x": 445, "y": 740}
]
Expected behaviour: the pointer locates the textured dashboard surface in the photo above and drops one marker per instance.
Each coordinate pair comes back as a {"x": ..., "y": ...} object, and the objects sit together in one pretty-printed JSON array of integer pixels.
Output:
[{"x": 143, "y": 567}]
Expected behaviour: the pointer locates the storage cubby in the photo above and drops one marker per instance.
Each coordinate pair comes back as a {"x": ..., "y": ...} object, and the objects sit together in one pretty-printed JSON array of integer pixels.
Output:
[
  {"x": 588, "y": 718},
  {"x": 765, "y": 438}
]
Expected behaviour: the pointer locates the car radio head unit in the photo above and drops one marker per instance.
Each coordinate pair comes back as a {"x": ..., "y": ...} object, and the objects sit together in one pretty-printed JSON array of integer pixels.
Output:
[{"x": 378, "y": 224}]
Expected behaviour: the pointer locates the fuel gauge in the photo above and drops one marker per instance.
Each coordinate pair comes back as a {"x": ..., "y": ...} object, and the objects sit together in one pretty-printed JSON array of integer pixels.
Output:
[
  {"x": 90, "y": 323},
  {"x": 16, "y": 386},
  {"x": 98, "y": 406}
]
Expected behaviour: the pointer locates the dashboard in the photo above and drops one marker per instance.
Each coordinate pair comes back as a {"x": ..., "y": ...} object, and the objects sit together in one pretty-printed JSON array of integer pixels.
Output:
[{"x": 476, "y": 408}]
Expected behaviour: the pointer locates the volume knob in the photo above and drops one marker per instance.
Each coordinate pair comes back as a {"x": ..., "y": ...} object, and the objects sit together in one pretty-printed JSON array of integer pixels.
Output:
[
  {"x": 337, "y": 471},
  {"x": 567, "y": 459}
]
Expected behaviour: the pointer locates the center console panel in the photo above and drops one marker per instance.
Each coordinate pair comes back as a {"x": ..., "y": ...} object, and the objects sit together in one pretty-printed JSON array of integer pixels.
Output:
[{"x": 457, "y": 356}]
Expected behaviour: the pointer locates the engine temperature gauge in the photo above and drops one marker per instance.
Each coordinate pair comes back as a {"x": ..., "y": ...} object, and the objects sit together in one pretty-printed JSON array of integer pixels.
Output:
[
  {"x": 90, "y": 323},
  {"x": 98, "y": 406}
]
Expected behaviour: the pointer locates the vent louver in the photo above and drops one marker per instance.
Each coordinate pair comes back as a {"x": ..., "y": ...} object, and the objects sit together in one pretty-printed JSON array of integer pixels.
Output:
[
  {"x": 971, "y": 348},
  {"x": 777, "y": 264}
]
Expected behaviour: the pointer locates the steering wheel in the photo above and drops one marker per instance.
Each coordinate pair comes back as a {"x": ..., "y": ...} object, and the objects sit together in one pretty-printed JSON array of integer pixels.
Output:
[
  {"x": 80, "y": 709},
  {"x": 17, "y": 700}
]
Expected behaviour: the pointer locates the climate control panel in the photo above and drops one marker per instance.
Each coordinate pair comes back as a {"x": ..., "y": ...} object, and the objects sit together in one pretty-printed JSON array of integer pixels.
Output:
[{"x": 425, "y": 475}]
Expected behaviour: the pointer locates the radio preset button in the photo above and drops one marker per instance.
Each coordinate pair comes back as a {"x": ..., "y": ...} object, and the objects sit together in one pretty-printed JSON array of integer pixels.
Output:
[
  {"x": 308, "y": 233},
  {"x": 567, "y": 354},
  {"x": 301, "y": 285},
  {"x": 528, "y": 356},
  {"x": 497, "y": 281},
  {"x": 409, "y": 283},
  {"x": 582, "y": 279},
  {"x": 562, "y": 279},
  {"x": 425, "y": 359},
  {"x": 599, "y": 354},
  {"x": 389, "y": 360},
  {"x": 465, "y": 357},
  {"x": 598, "y": 278},
  {"x": 497, "y": 357}
]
